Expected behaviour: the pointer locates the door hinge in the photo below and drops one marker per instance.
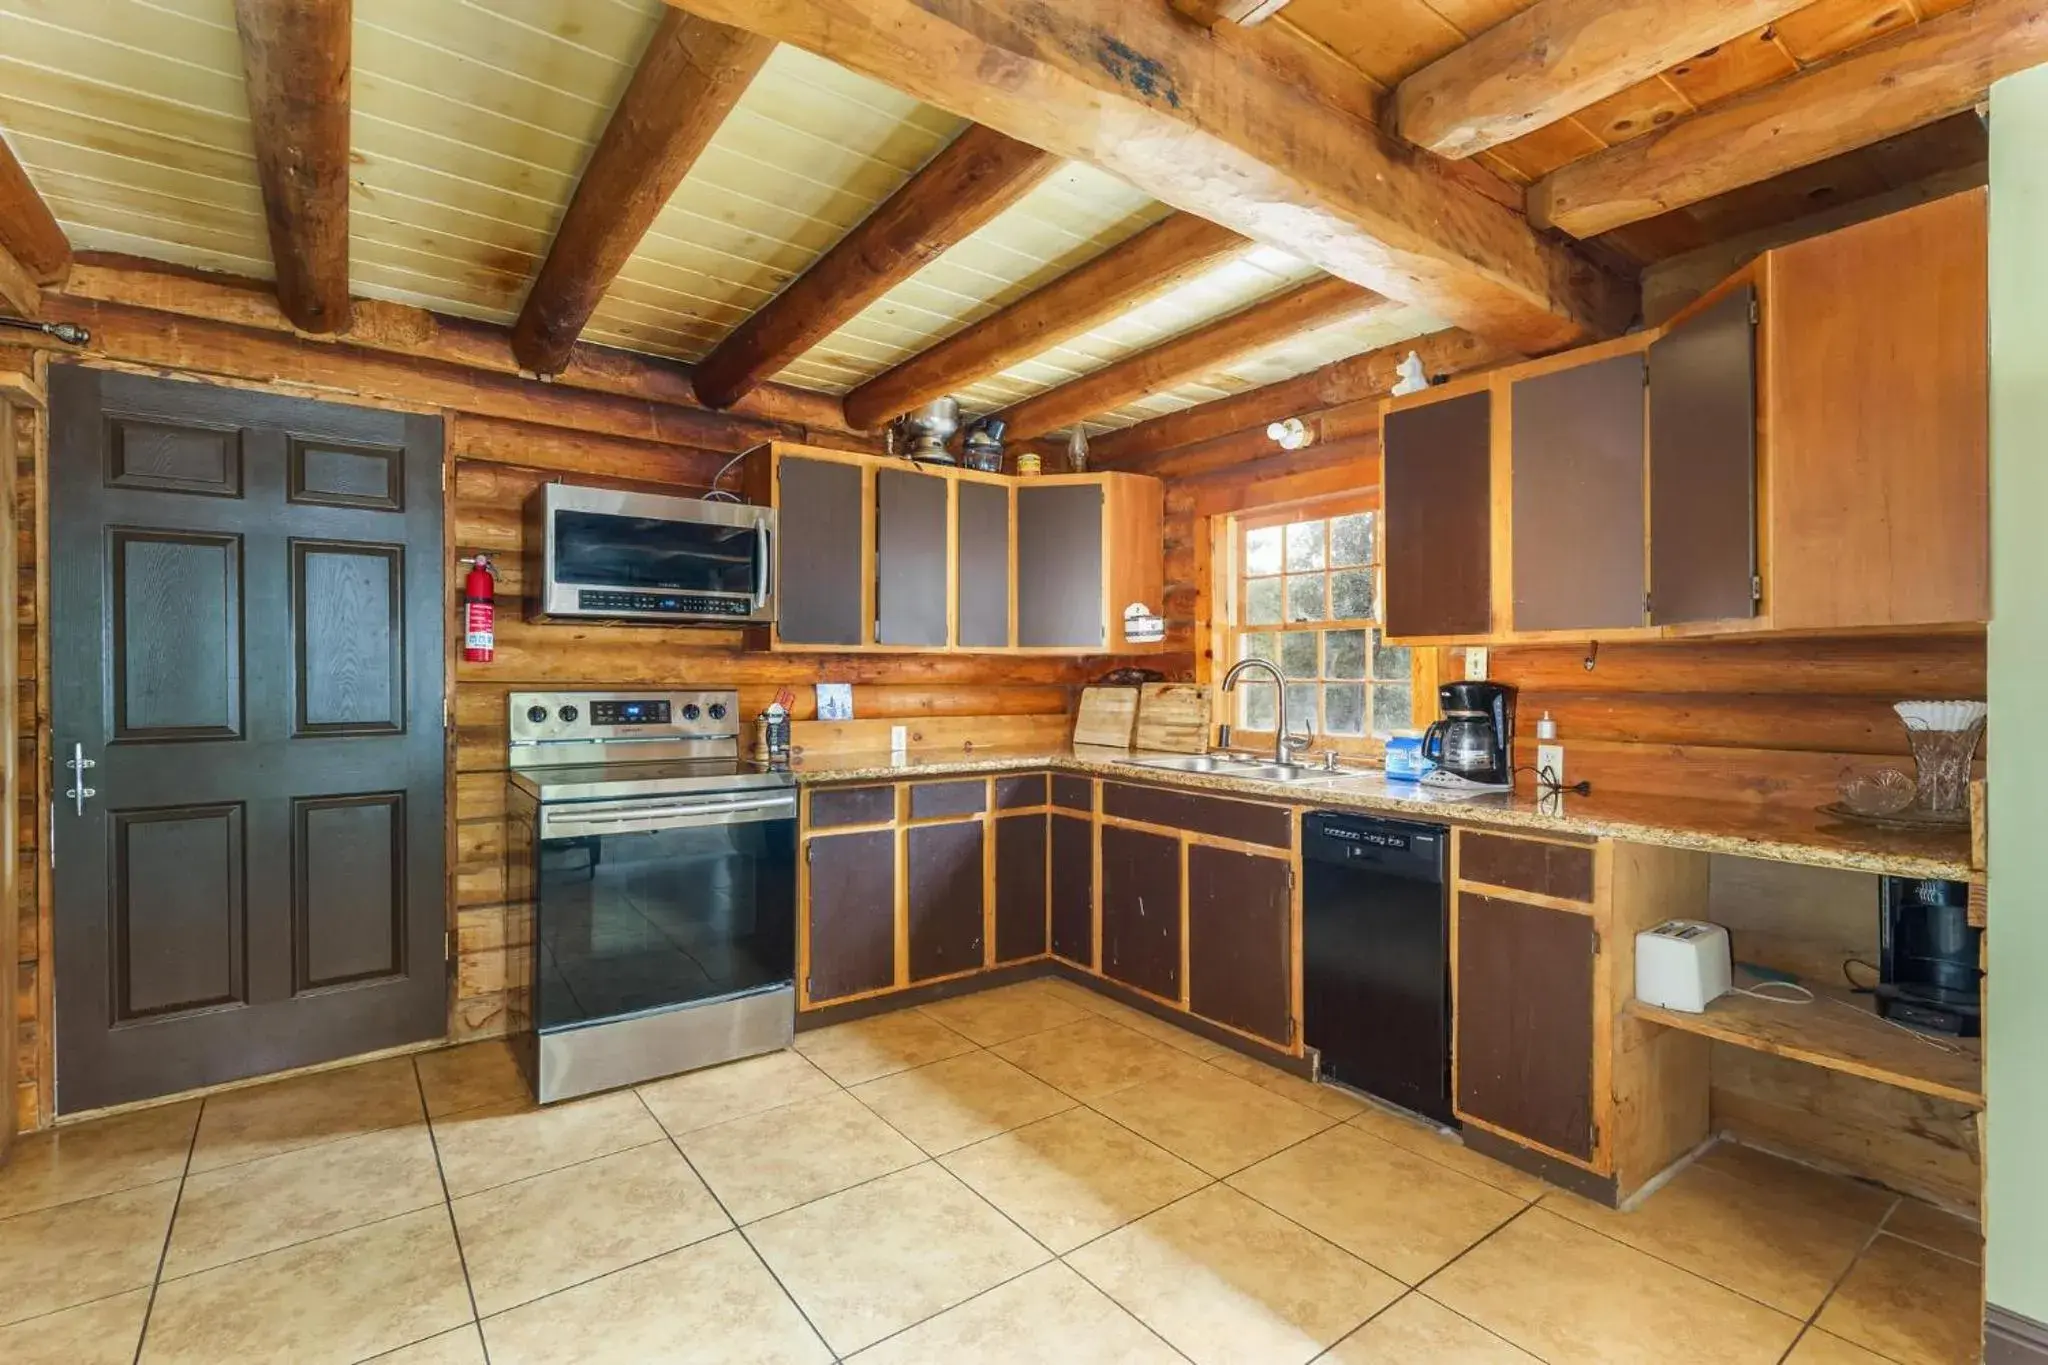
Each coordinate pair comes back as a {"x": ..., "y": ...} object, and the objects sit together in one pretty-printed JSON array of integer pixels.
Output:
[
  {"x": 1596, "y": 1135},
  {"x": 448, "y": 951},
  {"x": 810, "y": 847},
  {"x": 1756, "y": 587},
  {"x": 1293, "y": 1027},
  {"x": 1756, "y": 312},
  {"x": 1646, "y": 604},
  {"x": 53, "y": 835},
  {"x": 1596, "y": 943}
]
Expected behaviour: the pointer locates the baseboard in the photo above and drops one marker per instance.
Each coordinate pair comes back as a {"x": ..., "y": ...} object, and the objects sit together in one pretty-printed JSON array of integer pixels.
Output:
[
  {"x": 2013, "y": 1339},
  {"x": 1601, "y": 1189},
  {"x": 1181, "y": 1019},
  {"x": 824, "y": 1016}
]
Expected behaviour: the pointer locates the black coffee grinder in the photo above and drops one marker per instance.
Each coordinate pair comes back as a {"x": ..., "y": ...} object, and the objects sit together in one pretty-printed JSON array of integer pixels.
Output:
[{"x": 1927, "y": 956}]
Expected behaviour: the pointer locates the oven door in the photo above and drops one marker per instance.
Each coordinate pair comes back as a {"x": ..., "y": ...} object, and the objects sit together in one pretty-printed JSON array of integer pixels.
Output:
[
  {"x": 638, "y": 556},
  {"x": 654, "y": 903}
]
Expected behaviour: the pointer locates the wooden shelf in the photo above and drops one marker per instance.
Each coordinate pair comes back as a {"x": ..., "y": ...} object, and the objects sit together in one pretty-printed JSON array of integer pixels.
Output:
[{"x": 1841, "y": 1032}]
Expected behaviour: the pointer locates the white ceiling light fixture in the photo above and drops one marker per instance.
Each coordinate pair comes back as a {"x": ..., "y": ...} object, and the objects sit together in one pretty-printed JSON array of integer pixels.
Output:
[{"x": 1292, "y": 434}]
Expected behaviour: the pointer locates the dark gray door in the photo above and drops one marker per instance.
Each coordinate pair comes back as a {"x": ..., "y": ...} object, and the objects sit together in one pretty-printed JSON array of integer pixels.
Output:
[
  {"x": 1059, "y": 567},
  {"x": 1436, "y": 476},
  {"x": 910, "y": 558},
  {"x": 984, "y": 589},
  {"x": 817, "y": 555},
  {"x": 1703, "y": 466},
  {"x": 246, "y": 644},
  {"x": 1578, "y": 489}
]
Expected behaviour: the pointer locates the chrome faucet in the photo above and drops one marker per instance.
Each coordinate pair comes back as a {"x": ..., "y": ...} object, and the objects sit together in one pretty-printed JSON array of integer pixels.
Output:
[{"x": 1283, "y": 742}]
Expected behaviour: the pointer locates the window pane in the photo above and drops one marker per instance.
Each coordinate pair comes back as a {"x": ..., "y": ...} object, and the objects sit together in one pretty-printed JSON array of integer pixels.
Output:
[
  {"x": 1344, "y": 710},
  {"x": 1304, "y": 546},
  {"x": 1351, "y": 539},
  {"x": 1344, "y": 653},
  {"x": 1255, "y": 706},
  {"x": 1392, "y": 708},
  {"x": 1389, "y": 662},
  {"x": 1262, "y": 602},
  {"x": 1351, "y": 595},
  {"x": 1305, "y": 598},
  {"x": 1301, "y": 708},
  {"x": 1257, "y": 646},
  {"x": 1262, "y": 551},
  {"x": 1298, "y": 653}
]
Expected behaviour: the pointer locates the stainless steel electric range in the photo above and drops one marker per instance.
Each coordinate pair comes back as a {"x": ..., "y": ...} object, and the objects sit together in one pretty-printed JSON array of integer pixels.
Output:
[{"x": 659, "y": 868}]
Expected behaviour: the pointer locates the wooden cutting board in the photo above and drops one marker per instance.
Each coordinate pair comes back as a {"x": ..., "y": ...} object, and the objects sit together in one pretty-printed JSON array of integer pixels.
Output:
[
  {"x": 1106, "y": 716},
  {"x": 1173, "y": 718}
]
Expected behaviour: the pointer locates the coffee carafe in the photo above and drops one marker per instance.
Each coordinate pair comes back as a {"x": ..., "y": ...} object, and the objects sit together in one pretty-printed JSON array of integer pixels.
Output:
[{"x": 1475, "y": 739}]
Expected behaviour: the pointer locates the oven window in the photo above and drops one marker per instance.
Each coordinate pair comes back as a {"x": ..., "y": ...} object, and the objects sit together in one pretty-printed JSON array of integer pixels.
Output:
[
  {"x": 632, "y": 922},
  {"x": 604, "y": 550}
]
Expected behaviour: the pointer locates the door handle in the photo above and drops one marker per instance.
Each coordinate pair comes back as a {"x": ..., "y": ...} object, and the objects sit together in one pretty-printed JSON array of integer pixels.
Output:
[{"x": 79, "y": 765}]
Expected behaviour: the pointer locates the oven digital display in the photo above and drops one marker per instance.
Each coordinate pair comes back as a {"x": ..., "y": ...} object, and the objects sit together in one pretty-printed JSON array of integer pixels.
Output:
[{"x": 648, "y": 712}]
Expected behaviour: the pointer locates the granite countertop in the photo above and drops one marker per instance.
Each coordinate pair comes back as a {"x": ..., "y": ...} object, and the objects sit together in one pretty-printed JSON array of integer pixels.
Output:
[{"x": 1739, "y": 828}]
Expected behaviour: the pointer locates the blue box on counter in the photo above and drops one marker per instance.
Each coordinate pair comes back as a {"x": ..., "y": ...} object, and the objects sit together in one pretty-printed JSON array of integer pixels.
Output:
[{"x": 1405, "y": 762}]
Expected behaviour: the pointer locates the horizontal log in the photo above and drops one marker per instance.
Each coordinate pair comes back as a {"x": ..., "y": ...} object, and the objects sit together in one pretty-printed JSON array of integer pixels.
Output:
[
  {"x": 562, "y": 450},
  {"x": 1785, "y": 778},
  {"x": 1891, "y": 667},
  {"x": 1845, "y": 724}
]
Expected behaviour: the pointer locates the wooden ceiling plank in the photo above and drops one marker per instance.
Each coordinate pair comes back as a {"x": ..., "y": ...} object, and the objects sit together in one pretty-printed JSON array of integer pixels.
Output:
[
  {"x": 296, "y": 56},
  {"x": 971, "y": 181},
  {"x": 1147, "y": 97},
  {"x": 1190, "y": 355},
  {"x": 690, "y": 76},
  {"x": 29, "y": 232},
  {"x": 1897, "y": 83},
  {"x": 1160, "y": 258},
  {"x": 1368, "y": 375},
  {"x": 18, "y": 289},
  {"x": 1556, "y": 58},
  {"x": 1210, "y": 13}
]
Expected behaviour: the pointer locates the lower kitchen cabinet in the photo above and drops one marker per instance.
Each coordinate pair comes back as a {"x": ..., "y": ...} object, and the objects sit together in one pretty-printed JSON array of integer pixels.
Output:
[
  {"x": 851, "y": 908},
  {"x": 945, "y": 865},
  {"x": 1073, "y": 889},
  {"x": 1021, "y": 882},
  {"x": 1240, "y": 941},
  {"x": 1141, "y": 909},
  {"x": 1525, "y": 1007}
]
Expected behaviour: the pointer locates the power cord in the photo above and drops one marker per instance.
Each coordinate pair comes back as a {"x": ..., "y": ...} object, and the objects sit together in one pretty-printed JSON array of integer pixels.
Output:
[{"x": 1548, "y": 785}]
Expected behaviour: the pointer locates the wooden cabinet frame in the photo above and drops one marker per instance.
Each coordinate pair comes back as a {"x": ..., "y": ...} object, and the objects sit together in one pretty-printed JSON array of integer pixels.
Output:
[{"x": 1133, "y": 541}]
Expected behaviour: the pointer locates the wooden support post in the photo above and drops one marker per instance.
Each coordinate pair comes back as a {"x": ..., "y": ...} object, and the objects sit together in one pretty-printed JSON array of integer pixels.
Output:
[{"x": 28, "y": 230}]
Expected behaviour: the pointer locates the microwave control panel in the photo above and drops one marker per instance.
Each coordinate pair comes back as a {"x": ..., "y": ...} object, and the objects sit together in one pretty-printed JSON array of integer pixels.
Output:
[{"x": 682, "y": 604}]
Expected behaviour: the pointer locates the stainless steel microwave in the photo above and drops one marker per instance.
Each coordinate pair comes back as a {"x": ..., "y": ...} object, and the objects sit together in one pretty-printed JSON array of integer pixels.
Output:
[{"x": 599, "y": 553}]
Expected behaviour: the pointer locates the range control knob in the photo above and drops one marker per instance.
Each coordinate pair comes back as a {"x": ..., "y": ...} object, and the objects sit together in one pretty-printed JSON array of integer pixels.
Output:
[
  {"x": 718, "y": 710},
  {"x": 537, "y": 714},
  {"x": 568, "y": 714},
  {"x": 691, "y": 711}
]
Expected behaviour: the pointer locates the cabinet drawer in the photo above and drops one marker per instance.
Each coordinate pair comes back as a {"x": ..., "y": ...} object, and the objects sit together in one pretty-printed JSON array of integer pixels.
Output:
[
  {"x": 835, "y": 806},
  {"x": 1254, "y": 824},
  {"x": 1561, "y": 870},
  {"x": 1074, "y": 793},
  {"x": 930, "y": 799},
  {"x": 1015, "y": 793}
]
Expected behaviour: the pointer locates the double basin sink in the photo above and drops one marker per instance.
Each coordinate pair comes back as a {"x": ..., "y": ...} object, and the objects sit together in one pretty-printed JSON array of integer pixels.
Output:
[{"x": 1232, "y": 766}]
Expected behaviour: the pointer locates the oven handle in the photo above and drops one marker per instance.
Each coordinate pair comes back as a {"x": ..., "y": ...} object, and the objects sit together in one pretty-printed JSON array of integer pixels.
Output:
[
  {"x": 764, "y": 560},
  {"x": 569, "y": 825}
]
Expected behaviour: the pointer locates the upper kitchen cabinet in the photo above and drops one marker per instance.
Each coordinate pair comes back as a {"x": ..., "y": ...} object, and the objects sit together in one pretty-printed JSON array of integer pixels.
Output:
[
  {"x": 1436, "y": 481},
  {"x": 875, "y": 553},
  {"x": 1702, "y": 478}
]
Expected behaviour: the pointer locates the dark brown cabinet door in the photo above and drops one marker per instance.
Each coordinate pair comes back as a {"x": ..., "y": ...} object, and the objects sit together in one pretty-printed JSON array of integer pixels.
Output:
[
  {"x": 984, "y": 591},
  {"x": 948, "y": 881},
  {"x": 1578, "y": 492},
  {"x": 1020, "y": 886},
  {"x": 1240, "y": 941},
  {"x": 247, "y": 612},
  {"x": 910, "y": 558},
  {"x": 1436, "y": 479},
  {"x": 1703, "y": 466},
  {"x": 817, "y": 554},
  {"x": 1073, "y": 889},
  {"x": 1525, "y": 1021},
  {"x": 1141, "y": 909},
  {"x": 1060, "y": 567},
  {"x": 852, "y": 909}
]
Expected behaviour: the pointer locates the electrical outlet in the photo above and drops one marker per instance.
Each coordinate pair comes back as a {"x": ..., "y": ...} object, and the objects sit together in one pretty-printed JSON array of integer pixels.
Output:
[
  {"x": 1550, "y": 763},
  {"x": 1475, "y": 663}
]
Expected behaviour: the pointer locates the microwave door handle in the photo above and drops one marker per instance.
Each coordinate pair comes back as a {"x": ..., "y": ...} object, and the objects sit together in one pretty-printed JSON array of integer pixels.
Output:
[{"x": 763, "y": 560}]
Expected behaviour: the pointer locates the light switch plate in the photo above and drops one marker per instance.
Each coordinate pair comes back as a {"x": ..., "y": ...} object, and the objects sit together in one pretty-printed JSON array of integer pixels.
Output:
[
  {"x": 899, "y": 738},
  {"x": 1475, "y": 663}
]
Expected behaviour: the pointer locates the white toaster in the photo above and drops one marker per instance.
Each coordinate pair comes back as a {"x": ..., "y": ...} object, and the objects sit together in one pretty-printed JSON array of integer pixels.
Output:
[{"x": 1683, "y": 964}]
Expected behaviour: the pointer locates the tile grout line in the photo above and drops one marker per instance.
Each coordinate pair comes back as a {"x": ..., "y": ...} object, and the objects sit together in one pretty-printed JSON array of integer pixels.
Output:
[
  {"x": 164, "y": 1253},
  {"x": 448, "y": 1203},
  {"x": 1812, "y": 1323}
]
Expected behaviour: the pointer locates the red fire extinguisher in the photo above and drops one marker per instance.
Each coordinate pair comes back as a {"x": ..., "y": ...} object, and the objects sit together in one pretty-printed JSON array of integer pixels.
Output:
[{"x": 479, "y": 612}]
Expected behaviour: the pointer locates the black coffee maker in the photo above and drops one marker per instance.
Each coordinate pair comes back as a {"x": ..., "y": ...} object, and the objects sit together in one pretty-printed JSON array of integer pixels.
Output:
[
  {"x": 1927, "y": 974},
  {"x": 1475, "y": 739}
]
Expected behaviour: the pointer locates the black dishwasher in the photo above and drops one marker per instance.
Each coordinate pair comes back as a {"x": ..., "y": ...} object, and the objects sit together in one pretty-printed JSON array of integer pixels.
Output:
[{"x": 1376, "y": 957}]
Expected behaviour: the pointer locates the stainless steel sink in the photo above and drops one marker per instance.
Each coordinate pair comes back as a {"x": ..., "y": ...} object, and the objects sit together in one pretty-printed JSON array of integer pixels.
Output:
[
  {"x": 1235, "y": 767},
  {"x": 1191, "y": 763}
]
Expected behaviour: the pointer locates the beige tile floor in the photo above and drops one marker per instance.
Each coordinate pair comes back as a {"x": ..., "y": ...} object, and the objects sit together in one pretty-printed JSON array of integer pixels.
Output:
[{"x": 1031, "y": 1174}]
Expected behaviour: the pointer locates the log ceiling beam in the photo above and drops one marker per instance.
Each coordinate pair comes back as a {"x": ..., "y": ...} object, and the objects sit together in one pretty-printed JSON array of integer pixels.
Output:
[
  {"x": 1146, "y": 96},
  {"x": 1209, "y": 13},
  {"x": 1190, "y": 355},
  {"x": 689, "y": 78},
  {"x": 28, "y": 230},
  {"x": 1367, "y": 376},
  {"x": 1554, "y": 59},
  {"x": 295, "y": 55},
  {"x": 19, "y": 292},
  {"x": 980, "y": 174},
  {"x": 1895, "y": 84},
  {"x": 1160, "y": 258}
]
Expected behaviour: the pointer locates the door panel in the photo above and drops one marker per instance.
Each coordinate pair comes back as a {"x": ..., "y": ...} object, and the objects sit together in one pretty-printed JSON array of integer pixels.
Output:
[
  {"x": 947, "y": 886},
  {"x": 817, "y": 552},
  {"x": 246, "y": 640},
  {"x": 1021, "y": 882},
  {"x": 1059, "y": 567},
  {"x": 1141, "y": 909},
  {"x": 1073, "y": 889},
  {"x": 852, "y": 913},
  {"x": 1525, "y": 1020},
  {"x": 1240, "y": 941},
  {"x": 910, "y": 558},
  {"x": 1438, "y": 539},
  {"x": 1703, "y": 465},
  {"x": 984, "y": 591},
  {"x": 1578, "y": 494}
]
